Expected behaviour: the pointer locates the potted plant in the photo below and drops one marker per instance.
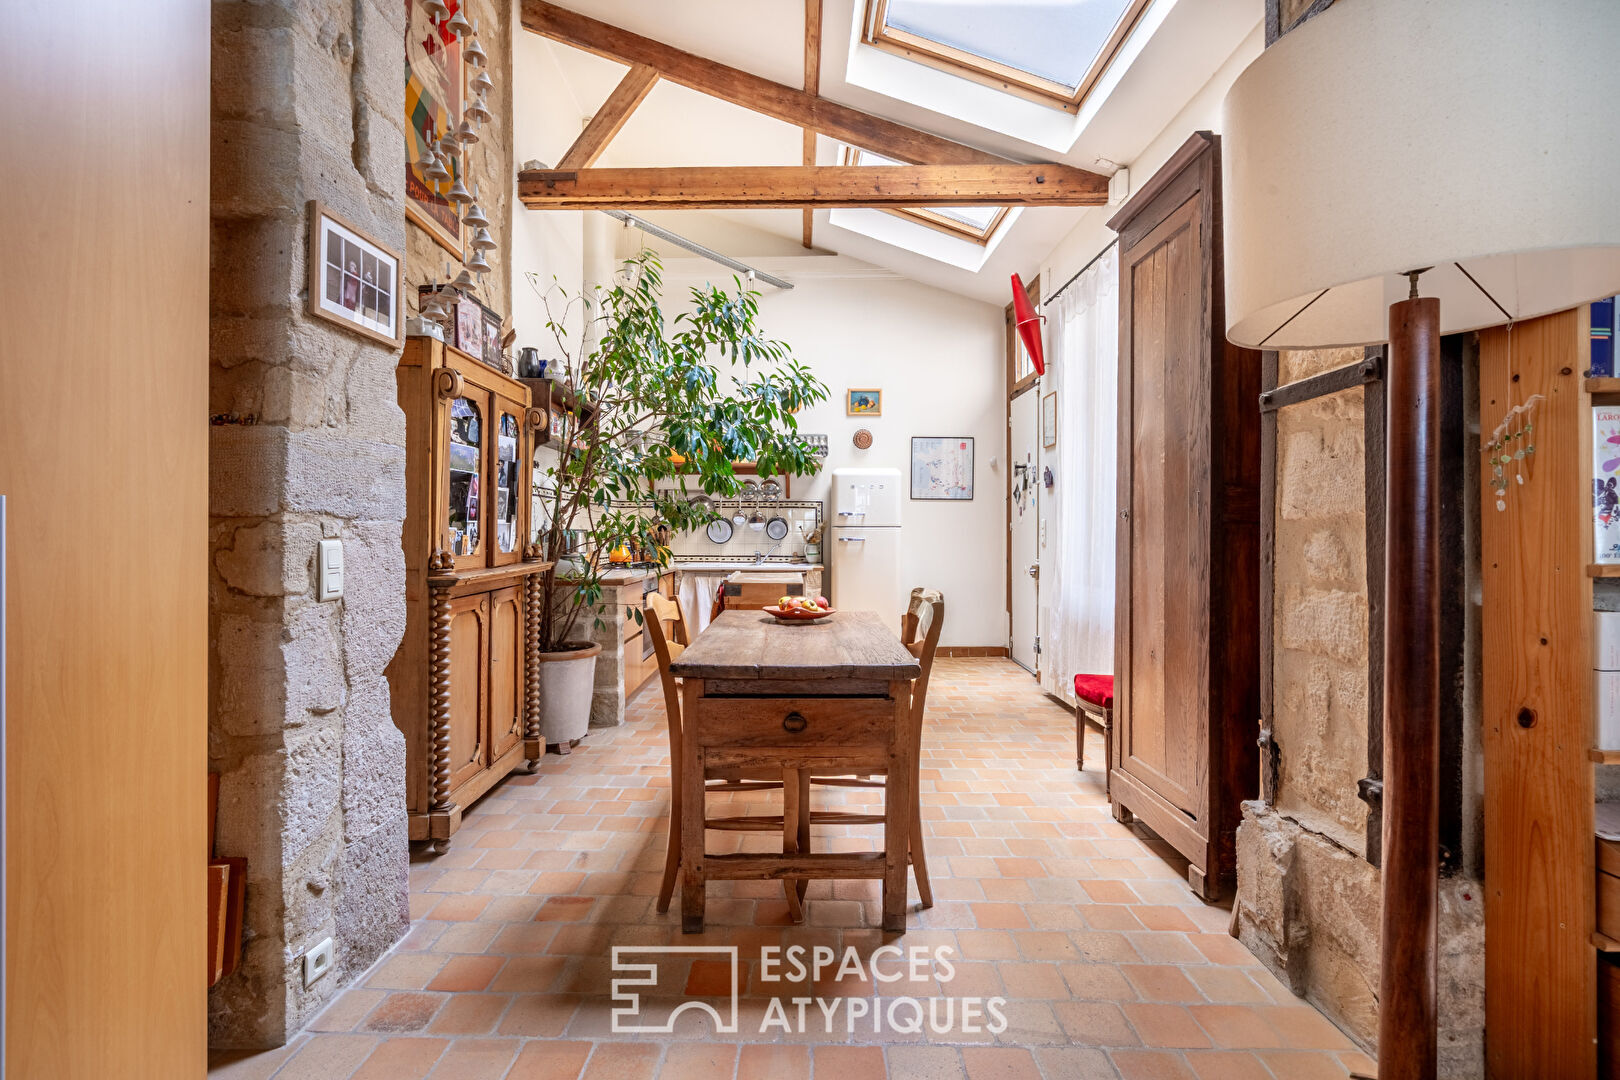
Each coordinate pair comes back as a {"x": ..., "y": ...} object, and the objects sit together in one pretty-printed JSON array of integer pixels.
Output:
[{"x": 661, "y": 409}]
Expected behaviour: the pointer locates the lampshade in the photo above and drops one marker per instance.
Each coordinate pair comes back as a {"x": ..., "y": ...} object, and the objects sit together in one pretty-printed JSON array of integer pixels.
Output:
[{"x": 1472, "y": 136}]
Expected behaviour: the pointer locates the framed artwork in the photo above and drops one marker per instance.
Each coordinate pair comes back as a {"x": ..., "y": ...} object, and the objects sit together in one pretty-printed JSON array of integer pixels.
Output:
[
  {"x": 470, "y": 327},
  {"x": 353, "y": 280},
  {"x": 435, "y": 90},
  {"x": 863, "y": 402},
  {"x": 1049, "y": 420},
  {"x": 942, "y": 467},
  {"x": 492, "y": 340}
]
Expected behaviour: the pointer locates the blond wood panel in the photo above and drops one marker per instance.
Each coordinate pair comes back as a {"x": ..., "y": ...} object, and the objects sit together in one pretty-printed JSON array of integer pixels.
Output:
[
  {"x": 1541, "y": 997},
  {"x": 103, "y": 462},
  {"x": 469, "y": 687},
  {"x": 505, "y": 671}
]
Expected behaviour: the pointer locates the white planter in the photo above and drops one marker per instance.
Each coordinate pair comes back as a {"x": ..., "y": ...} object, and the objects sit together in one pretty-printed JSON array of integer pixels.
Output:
[{"x": 566, "y": 682}]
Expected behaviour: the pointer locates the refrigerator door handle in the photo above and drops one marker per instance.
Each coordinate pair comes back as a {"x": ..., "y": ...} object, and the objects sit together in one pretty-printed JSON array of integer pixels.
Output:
[{"x": 852, "y": 539}]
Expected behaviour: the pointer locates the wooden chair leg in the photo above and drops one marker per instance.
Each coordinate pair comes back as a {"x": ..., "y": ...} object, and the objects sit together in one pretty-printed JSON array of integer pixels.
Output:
[
  {"x": 793, "y": 819},
  {"x": 803, "y": 884},
  {"x": 672, "y": 857},
  {"x": 1079, "y": 739},
  {"x": 919, "y": 862}
]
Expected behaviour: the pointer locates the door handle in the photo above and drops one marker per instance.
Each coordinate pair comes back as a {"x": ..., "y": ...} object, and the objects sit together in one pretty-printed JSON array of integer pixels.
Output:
[
  {"x": 1035, "y": 570},
  {"x": 793, "y": 723},
  {"x": 852, "y": 539}
]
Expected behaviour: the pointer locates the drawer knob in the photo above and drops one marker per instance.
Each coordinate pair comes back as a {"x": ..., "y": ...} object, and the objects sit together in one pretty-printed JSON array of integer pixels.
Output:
[{"x": 793, "y": 723}]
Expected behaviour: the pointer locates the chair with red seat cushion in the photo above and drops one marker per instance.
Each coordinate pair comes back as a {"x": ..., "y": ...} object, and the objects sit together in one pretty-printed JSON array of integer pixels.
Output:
[{"x": 1095, "y": 696}]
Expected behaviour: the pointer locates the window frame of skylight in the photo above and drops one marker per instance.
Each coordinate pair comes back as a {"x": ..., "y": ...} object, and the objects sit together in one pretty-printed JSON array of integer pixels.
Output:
[
  {"x": 923, "y": 215},
  {"x": 878, "y": 34}
]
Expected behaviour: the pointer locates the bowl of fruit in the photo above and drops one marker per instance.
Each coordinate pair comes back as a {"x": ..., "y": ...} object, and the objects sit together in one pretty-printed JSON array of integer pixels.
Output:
[{"x": 801, "y": 609}]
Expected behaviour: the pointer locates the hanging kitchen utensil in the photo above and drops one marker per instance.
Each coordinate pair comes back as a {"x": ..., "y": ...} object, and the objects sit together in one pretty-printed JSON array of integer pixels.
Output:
[
  {"x": 719, "y": 531},
  {"x": 771, "y": 490},
  {"x": 750, "y": 491},
  {"x": 776, "y": 528},
  {"x": 757, "y": 522},
  {"x": 739, "y": 518}
]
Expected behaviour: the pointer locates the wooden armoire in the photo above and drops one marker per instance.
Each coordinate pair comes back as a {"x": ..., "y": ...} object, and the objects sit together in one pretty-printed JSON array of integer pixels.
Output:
[
  {"x": 460, "y": 682},
  {"x": 1186, "y": 645}
]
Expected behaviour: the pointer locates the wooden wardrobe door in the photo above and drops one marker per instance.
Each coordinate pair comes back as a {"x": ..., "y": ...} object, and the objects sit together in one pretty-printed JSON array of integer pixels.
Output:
[
  {"x": 505, "y": 671},
  {"x": 469, "y": 687},
  {"x": 1165, "y": 735}
]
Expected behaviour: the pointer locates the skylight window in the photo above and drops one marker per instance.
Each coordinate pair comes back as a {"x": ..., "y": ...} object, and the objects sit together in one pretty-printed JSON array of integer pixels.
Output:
[
  {"x": 975, "y": 223},
  {"x": 1052, "y": 51}
]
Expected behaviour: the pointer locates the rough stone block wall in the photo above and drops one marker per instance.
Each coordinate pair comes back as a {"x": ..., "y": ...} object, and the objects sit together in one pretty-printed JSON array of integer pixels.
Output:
[
  {"x": 1308, "y": 900},
  {"x": 307, "y": 104}
]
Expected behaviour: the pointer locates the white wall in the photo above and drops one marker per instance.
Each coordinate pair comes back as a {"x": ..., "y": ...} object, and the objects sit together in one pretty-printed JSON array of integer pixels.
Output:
[
  {"x": 546, "y": 117},
  {"x": 940, "y": 360}
]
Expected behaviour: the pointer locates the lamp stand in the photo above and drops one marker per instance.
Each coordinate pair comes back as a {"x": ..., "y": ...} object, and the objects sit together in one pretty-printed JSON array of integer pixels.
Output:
[{"x": 1411, "y": 800}]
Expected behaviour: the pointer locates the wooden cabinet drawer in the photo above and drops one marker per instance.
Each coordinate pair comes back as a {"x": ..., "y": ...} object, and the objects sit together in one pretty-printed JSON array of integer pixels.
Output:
[{"x": 835, "y": 723}]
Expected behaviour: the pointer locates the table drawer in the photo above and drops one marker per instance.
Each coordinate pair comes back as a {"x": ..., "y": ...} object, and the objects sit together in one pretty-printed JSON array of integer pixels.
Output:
[{"x": 830, "y": 723}]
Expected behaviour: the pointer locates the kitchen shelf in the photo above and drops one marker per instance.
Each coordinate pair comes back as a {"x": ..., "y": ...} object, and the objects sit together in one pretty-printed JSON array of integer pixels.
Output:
[
  {"x": 1603, "y": 570},
  {"x": 1605, "y": 943},
  {"x": 1596, "y": 386},
  {"x": 1604, "y": 757}
]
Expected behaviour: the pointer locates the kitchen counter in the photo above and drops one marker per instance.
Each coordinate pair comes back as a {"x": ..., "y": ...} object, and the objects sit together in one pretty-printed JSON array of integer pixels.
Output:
[{"x": 753, "y": 568}]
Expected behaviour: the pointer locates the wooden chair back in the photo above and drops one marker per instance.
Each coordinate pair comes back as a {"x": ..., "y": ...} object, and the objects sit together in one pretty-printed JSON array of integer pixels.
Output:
[
  {"x": 661, "y": 615},
  {"x": 920, "y": 628}
]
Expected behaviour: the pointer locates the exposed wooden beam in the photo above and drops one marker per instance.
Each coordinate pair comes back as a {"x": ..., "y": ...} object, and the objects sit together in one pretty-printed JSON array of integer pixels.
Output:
[
  {"x": 635, "y": 86},
  {"x": 812, "y": 85},
  {"x": 811, "y": 186},
  {"x": 786, "y": 103}
]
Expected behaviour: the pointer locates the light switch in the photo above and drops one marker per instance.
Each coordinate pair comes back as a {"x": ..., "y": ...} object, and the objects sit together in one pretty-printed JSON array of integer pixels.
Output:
[{"x": 329, "y": 573}]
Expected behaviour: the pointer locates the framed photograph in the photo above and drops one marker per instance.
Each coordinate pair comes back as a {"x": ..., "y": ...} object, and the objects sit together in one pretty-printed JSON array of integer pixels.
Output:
[
  {"x": 942, "y": 467},
  {"x": 353, "y": 280},
  {"x": 863, "y": 402},
  {"x": 435, "y": 90},
  {"x": 1049, "y": 420},
  {"x": 492, "y": 340},
  {"x": 470, "y": 327}
]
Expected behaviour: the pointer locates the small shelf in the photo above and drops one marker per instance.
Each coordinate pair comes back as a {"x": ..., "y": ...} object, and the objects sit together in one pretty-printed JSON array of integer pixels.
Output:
[
  {"x": 1602, "y": 386},
  {"x": 1605, "y": 943},
  {"x": 1601, "y": 570},
  {"x": 1604, "y": 757}
]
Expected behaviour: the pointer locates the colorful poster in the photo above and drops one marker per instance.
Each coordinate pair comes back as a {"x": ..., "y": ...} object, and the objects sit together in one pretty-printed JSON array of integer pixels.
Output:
[
  {"x": 1606, "y": 483},
  {"x": 435, "y": 88}
]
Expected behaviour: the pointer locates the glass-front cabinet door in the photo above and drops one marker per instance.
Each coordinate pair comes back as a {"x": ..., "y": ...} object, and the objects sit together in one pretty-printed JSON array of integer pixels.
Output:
[
  {"x": 509, "y": 487},
  {"x": 465, "y": 457}
]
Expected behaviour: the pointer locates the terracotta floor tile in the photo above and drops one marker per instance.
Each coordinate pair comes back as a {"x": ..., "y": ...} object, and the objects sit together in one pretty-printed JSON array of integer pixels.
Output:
[
  {"x": 765, "y": 1061},
  {"x": 1152, "y": 1065},
  {"x": 476, "y": 1059},
  {"x": 403, "y": 1012},
  {"x": 1227, "y": 1065},
  {"x": 402, "y": 1059},
  {"x": 623, "y": 1061},
  {"x": 1165, "y": 1025},
  {"x": 548, "y": 1059},
  {"x": 699, "y": 1061},
  {"x": 849, "y": 1063},
  {"x": 1086, "y": 927},
  {"x": 464, "y": 973}
]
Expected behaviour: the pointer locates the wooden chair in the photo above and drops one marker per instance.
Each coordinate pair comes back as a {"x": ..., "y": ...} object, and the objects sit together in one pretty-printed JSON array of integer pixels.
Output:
[
  {"x": 920, "y": 628},
  {"x": 661, "y": 615}
]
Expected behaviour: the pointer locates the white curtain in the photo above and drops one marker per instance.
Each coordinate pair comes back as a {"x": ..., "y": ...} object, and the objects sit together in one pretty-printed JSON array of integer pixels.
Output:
[{"x": 1077, "y": 562}]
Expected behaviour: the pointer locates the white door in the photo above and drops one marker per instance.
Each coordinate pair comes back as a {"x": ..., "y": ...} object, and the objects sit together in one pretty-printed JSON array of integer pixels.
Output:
[
  {"x": 866, "y": 573},
  {"x": 1022, "y": 547}
]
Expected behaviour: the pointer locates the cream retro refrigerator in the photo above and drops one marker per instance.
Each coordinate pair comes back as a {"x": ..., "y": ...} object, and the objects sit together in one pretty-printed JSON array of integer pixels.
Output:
[{"x": 865, "y": 546}]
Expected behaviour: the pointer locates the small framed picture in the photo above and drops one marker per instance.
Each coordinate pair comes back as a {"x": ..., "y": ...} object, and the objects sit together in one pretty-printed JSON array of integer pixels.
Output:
[
  {"x": 470, "y": 327},
  {"x": 863, "y": 403},
  {"x": 492, "y": 340},
  {"x": 1049, "y": 421},
  {"x": 353, "y": 280}
]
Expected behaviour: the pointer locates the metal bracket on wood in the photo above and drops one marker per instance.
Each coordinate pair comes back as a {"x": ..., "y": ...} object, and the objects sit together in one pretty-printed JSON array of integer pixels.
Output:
[
  {"x": 1369, "y": 369},
  {"x": 1370, "y": 790}
]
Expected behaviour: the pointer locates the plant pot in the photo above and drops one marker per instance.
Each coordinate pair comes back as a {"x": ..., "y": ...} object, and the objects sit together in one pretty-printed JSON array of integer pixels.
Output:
[{"x": 567, "y": 680}]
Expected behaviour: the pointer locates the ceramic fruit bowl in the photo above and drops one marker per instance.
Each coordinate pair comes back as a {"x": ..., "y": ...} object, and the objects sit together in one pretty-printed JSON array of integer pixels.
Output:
[{"x": 799, "y": 614}]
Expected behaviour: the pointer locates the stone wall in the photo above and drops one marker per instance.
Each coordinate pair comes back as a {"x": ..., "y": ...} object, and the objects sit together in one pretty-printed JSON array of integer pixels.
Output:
[
  {"x": 307, "y": 104},
  {"x": 1308, "y": 899}
]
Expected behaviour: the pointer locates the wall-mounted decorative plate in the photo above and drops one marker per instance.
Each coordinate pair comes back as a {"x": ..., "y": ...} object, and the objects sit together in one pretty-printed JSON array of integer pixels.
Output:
[{"x": 863, "y": 439}]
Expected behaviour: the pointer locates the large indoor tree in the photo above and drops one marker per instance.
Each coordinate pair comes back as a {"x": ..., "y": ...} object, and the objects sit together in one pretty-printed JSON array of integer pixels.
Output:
[{"x": 667, "y": 407}]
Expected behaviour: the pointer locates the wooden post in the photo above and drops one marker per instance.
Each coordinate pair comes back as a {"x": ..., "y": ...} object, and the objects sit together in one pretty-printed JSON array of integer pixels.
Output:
[
  {"x": 534, "y": 746},
  {"x": 1406, "y": 998},
  {"x": 441, "y": 577}
]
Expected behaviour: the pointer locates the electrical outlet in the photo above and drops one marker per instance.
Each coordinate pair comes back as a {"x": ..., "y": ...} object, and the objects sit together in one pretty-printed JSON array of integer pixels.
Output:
[{"x": 317, "y": 962}]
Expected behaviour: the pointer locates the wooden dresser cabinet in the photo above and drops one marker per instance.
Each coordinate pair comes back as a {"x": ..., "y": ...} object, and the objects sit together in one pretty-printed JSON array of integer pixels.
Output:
[
  {"x": 1186, "y": 645},
  {"x": 459, "y": 682}
]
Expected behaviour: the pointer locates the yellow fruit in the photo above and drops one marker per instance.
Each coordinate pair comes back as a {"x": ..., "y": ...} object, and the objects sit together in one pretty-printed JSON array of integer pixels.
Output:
[{"x": 785, "y": 601}]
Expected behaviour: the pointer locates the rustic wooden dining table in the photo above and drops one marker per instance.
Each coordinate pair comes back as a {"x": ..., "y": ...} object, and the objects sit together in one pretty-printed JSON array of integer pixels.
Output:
[{"x": 830, "y": 697}]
